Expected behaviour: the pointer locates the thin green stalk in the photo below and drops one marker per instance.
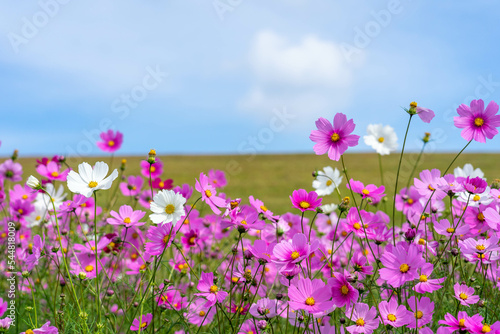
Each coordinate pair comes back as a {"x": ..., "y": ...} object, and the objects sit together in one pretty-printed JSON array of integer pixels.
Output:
[
  {"x": 396, "y": 185},
  {"x": 98, "y": 296}
]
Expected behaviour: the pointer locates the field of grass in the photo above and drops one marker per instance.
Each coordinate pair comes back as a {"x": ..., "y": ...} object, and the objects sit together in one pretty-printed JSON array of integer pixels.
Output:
[{"x": 272, "y": 178}]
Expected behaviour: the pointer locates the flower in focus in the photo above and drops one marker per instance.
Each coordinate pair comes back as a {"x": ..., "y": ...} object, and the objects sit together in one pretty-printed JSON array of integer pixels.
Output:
[
  {"x": 426, "y": 115},
  {"x": 401, "y": 263},
  {"x": 393, "y": 314},
  {"x": 141, "y": 323},
  {"x": 161, "y": 237},
  {"x": 382, "y": 139},
  {"x": 459, "y": 323},
  {"x": 343, "y": 293},
  {"x": 209, "y": 194},
  {"x": 326, "y": 181},
  {"x": 111, "y": 141},
  {"x": 310, "y": 295},
  {"x": 477, "y": 122},
  {"x": 334, "y": 139},
  {"x": 89, "y": 179},
  {"x": 465, "y": 294},
  {"x": 126, "y": 217},
  {"x": 305, "y": 201},
  {"x": 167, "y": 206},
  {"x": 365, "y": 318},
  {"x": 369, "y": 191},
  {"x": 425, "y": 283},
  {"x": 209, "y": 290},
  {"x": 422, "y": 311},
  {"x": 289, "y": 252},
  {"x": 45, "y": 329}
]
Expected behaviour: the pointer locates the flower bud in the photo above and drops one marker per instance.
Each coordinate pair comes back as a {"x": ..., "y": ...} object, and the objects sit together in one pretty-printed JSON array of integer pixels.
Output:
[
  {"x": 82, "y": 275},
  {"x": 124, "y": 162},
  {"x": 279, "y": 296},
  {"x": 262, "y": 324},
  {"x": 25, "y": 274},
  {"x": 495, "y": 184},
  {"x": 152, "y": 156},
  {"x": 410, "y": 234},
  {"x": 15, "y": 155},
  {"x": 33, "y": 183},
  {"x": 426, "y": 137}
]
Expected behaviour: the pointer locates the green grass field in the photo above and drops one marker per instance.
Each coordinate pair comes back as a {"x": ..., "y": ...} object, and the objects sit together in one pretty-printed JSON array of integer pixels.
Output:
[{"x": 272, "y": 178}]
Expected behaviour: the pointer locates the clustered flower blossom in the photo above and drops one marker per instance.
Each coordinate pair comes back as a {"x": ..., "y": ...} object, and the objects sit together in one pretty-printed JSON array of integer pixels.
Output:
[{"x": 141, "y": 249}]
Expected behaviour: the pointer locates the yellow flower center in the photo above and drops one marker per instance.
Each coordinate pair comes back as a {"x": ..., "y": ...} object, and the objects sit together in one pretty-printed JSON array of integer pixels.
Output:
[
  {"x": 214, "y": 289},
  {"x": 4, "y": 235},
  {"x": 480, "y": 247},
  {"x": 404, "y": 268},
  {"x": 461, "y": 322},
  {"x": 234, "y": 204},
  {"x": 235, "y": 279},
  {"x": 161, "y": 184},
  {"x": 344, "y": 290},
  {"x": 152, "y": 169},
  {"x": 391, "y": 317},
  {"x": 111, "y": 143},
  {"x": 381, "y": 139},
  {"x": 304, "y": 204},
  {"x": 133, "y": 256},
  {"x": 335, "y": 137},
  {"x": 476, "y": 198},
  {"x": 208, "y": 193},
  {"x": 165, "y": 238},
  {"x": 365, "y": 192},
  {"x": 478, "y": 121},
  {"x": 29, "y": 331},
  {"x": 127, "y": 220},
  {"x": 263, "y": 208},
  {"x": 413, "y": 104},
  {"x": 295, "y": 255},
  {"x": 202, "y": 313},
  {"x": 310, "y": 301},
  {"x": 329, "y": 183},
  {"x": 463, "y": 296},
  {"x": 25, "y": 196},
  {"x": 191, "y": 240},
  {"x": 480, "y": 216},
  {"x": 421, "y": 241},
  {"x": 144, "y": 324},
  {"x": 419, "y": 314},
  {"x": 486, "y": 329},
  {"x": 92, "y": 184},
  {"x": 89, "y": 268},
  {"x": 170, "y": 209},
  {"x": 423, "y": 278},
  {"x": 410, "y": 201},
  {"x": 481, "y": 256},
  {"x": 20, "y": 211},
  {"x": 360, "y": 322},
  {"x": 450, "y": 230},
  {"x": 54, "y": 174},
  {"x": 357, "y": 226},
  {"x": 244, "y": 222},
  {"x": 430, "y": 188}
]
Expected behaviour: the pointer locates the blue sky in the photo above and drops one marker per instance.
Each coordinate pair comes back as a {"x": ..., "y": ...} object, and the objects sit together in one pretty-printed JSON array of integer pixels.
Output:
[{"x": 238, "y": 76}]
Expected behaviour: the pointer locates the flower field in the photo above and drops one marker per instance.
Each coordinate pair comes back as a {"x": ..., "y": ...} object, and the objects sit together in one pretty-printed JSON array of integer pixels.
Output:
[{"x": 386, "y": 242}]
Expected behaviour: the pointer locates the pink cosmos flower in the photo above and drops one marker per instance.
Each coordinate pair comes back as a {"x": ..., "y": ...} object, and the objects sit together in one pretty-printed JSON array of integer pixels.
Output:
[
  {"x": 264, "y": 307},
  {"x": 156, "y": 169},
  {"x": 334, "y": 139},
  {"x": 157, "y": 183},
  {"x": 24, "y": 193},
  {"x": 161, "y": 237},
  {"x": 5, "y": 324},
  {"x": 359, "y": 266},
  {"x": 132, "y": 187},
  {"x": 408, "y": 201},
  {"x": 289, "y": 252},
  {"x": 35, "y": 252},
  {"x": 52, "y": 171},
  {"x": 478, "y": 123},
  {"x": 369, "y": 191},
  {"x": 365, "y": 318},
  {"x": 11, "y": 171},
  {"x": 111, "y": 141},
  {"x": 422, "y": 313},
  {"x": 355, "y": 224},
  {"x": 209, "y": 290},
  {"x": 209, "y": 194},
  {"x": 425, "y": 114},
  {"x": 245, "y": 220},
  {"x": 217, "y": 178},
  {"x": 198, "y": 314},
  {"x": 305, "y": 201},
  {"x": 444, "y": 227},
  {"x": 3, "y": 307},
  {"x": 311, "y": 296},
  {"x": 126, "y": 217},
  {"x": 45, "y": 329},
  {"x": 475, "y": 326},
  {"x": 401, "y": 263},
  {"x": 185, "y": 190},
  {"x": 261, "y": 208},
  {"x": 465, "y": 294},
  {"x": 342, "y": 292},
  {"x": 428, "y": 183},
  {"x": 262, "y": 251},
  {"x": 459, "y": 323},
  {"x": 425, "y": 284},
  {"x": 481, "y": 249},
  {"x": 393, "y": 314},
  {"x": 142, "y": 322}
]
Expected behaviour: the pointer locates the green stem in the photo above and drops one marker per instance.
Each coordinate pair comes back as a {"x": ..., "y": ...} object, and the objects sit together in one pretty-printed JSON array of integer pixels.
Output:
[{"x": 98, "y": 296}]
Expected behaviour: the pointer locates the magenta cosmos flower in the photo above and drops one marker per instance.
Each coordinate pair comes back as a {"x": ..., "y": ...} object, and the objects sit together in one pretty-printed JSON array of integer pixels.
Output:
[
  {"x": 311, "y": 296},
  {"x": 478, "y": 123},
  {"x": 161, "y": 237},
  {"x": 365, "y": 318},
  {"x": 465, "y": 295},
  {"x": 342, "y": 291},
  {"x": 126, "y": 216},
  {"x": 289, "y": 252},
  {"x": 369, "y": 191},
  {"x": 334, "y": 139},
  {"x": 111, "y": 141},
  {"x": 156, "y": 168},
  {"x": 133, "y": 186},
  {"x": 209, "y": 194},
  {"x": 305, "y": 201},
  {"x": 52, "y": 171},
  {"x": 209, "y": 290},
  {"x": 142, "y": 323},
  {"x": 401, "y": 263},
  {"x": 459, "y": 323},
  {"x": 393, "y": 314},
  {"x": 45, "y": 329},
  {"x": 422, "y": 311}
]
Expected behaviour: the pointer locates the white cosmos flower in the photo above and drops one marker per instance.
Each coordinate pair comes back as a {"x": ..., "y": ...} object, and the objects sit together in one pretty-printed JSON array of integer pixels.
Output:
[
  {"x": 475, "y": 200},
  {"x": 89, "y": 179},
  {"x": 468, "y": 170},
  {"x": 328, "y": 208},
  {"x": 381, "y": 138},
  {"x": 167, "y": 206},
  {"x": 43, "y": 200},
  {"x": 326, "y": 181},
  {"x": 33, "y": 182}
]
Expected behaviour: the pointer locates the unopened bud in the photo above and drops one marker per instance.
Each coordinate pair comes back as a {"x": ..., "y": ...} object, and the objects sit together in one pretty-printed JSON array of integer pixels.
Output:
[{"x": 152, "y": 156}]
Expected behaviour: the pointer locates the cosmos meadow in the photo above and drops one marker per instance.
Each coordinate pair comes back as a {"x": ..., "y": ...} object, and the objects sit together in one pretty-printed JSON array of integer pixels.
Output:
[{"x": 94, "y": 250}]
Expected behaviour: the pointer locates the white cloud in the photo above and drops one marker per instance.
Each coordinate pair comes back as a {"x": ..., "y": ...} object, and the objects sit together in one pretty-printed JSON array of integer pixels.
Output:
[{"x": 311, "y": 77}]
